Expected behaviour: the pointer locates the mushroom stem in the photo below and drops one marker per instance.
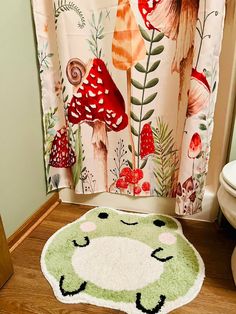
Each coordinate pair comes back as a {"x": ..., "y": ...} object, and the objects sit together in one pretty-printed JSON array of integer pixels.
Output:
[
  {"x": 100, "y": 143},
  {"x": 129, "y": 115}
]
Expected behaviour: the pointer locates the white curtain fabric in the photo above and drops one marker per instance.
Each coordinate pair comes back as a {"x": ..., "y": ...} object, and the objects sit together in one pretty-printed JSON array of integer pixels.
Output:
[{"x": 128, "y": 95}]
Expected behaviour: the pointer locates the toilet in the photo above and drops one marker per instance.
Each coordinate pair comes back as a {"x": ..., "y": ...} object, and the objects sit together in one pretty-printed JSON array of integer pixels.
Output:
[{"x": 227, "y": 200}]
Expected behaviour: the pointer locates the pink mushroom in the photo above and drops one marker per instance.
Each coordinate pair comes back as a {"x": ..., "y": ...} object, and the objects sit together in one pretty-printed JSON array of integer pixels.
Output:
[
  {"x": 199, "y": 93},
  {"x": 99, "y": 103}
]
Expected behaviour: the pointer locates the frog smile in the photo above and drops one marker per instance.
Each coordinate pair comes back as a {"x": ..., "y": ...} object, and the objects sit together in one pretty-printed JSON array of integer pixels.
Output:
[
  {"x": 86, "y": 239},
  {"x": 129, "y": 223}
]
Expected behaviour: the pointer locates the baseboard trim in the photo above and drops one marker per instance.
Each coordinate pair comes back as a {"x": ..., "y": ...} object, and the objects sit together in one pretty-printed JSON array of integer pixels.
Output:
[{"x": 21, "y": 233}]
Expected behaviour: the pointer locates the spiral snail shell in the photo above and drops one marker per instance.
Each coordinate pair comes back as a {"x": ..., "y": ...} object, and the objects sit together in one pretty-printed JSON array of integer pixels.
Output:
[{"x": 75, "y": 70}]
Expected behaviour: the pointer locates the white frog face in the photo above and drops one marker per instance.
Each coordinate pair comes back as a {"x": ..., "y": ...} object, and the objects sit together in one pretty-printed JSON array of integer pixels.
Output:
[{"x": 140, "y": 260}]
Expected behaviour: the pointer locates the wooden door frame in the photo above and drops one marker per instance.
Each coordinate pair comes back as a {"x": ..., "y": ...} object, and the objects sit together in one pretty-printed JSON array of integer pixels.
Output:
[{"x": 6, "y": 268}]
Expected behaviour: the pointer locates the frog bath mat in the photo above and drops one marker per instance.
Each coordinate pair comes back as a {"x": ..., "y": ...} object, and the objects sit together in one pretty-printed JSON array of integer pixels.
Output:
[{"x": 136, "y": 263}]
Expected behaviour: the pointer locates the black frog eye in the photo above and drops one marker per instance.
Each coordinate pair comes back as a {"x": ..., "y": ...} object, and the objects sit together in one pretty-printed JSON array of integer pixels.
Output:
[
  {"x": 159, "y": 223},
  {"x": 103, "y": 215}
]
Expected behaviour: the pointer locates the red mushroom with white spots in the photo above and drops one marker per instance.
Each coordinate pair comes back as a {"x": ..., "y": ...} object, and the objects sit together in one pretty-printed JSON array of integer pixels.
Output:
[
  {"x": 62, "y": 155},
  {"x": 147, "y": 146},
  {"x": 147, "y": 149},
  {"x": 99, "y": 103}
]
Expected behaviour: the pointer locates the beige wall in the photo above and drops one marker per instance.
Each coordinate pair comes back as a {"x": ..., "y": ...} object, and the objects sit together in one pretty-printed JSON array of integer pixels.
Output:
[
  {"x": 22, "y": 185},
  {"x": 233, "y": 144}
]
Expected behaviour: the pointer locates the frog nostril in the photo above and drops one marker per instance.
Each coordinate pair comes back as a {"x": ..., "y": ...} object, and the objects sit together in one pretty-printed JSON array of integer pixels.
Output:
[{"x": 103, "y": 215}]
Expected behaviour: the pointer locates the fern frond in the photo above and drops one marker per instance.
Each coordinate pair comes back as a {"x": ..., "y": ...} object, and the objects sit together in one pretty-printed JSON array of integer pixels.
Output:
[
  {"x": 165, "y": 158},
  {"x": 63, "y": 5}
]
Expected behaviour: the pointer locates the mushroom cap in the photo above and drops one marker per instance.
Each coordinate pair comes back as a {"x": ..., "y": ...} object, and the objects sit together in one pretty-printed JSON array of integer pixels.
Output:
[
  {"x": 137, "y": 190},
  {"x": 188, "y": 185},
  {"x": 62, "y": 155},
  {"x": 145, "y": 8},
  {"x": 195, "y": 146},
  {"x": 162, "y": 15},
  {"x": 146, "y": 186},
  {"x": 132, "y": 176},
  {"x": 147, "y": 146},
  {"x": 128, "y": 46},
  {"x": 121, "y": 183},
  {"x": 199, "y": 93},
  {"x": 98, "y": 98}
]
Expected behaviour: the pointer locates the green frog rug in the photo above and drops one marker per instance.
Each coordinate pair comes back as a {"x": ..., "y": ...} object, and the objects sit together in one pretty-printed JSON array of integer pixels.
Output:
[{"x": 136, "y": 263}]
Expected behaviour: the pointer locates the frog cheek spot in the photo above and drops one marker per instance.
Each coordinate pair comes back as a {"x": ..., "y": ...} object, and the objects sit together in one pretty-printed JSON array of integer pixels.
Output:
[
  {"x": 167, "y": 238},
  {"x": 159, "y": 223},
  {"x": 88, "y": 226}
]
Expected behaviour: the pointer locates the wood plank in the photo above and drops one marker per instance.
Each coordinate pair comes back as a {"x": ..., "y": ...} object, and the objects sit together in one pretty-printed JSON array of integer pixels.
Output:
[
  {"x": 28, "y": 292},
  {"x": 6, "y": 269},
  {"x": 20, "y": 234}
]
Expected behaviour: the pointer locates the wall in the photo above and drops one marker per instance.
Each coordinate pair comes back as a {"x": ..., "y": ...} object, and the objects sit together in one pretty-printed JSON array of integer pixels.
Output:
[
  {"x": 22, "y": 184},
  {"x": 220, "y": 141},
  {"x": 233, "y": 144}
]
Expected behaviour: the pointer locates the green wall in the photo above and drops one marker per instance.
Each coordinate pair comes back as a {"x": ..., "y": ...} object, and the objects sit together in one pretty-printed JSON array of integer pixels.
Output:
[{"x": 22, "y": 184}]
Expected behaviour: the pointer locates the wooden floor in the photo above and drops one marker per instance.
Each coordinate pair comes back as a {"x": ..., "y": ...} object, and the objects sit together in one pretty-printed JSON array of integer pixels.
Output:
[{"x": 29, "y": 292}]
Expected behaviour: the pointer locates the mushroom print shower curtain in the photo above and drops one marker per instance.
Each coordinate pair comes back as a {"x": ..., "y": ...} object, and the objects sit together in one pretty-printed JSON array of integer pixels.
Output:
[{"x": 128, "y": 95}]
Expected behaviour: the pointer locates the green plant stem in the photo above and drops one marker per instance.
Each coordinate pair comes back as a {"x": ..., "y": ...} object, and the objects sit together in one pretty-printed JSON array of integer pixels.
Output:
[
  {"x": 203, "y": 29},
  {"x": 143, "y": 94}
]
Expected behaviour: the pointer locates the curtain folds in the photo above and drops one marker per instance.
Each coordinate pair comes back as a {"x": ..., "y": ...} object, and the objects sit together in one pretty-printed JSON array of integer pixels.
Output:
[{"x": 128, "y": 95}]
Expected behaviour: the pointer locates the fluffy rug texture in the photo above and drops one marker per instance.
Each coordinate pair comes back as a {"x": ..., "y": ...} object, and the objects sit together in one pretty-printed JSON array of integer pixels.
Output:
[{"x": 137, "y": 263}]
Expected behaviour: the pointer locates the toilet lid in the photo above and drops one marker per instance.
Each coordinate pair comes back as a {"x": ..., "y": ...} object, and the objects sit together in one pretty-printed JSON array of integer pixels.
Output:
[{"x": 229, "y": 174}]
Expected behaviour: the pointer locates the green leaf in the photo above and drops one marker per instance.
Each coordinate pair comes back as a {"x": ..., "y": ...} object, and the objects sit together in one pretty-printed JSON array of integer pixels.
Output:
[
  {"x": 134, "y": 117},
  {"x": 149, "y": 99},
  {"x": 154, "y": 66},
  {"x": 130, "y": 149},
  {"x": 202, "y": 117},
  {"x": 139, "y": 67},
  {"x": 77, "y": 167},
  {"x": 214, "y": 87},
  {"x": 66, "y": 98},
  {"x": 147, "y": 115},
  {"x": 202, "y": 127},
  {"x": 136, "y": 84},
  {"x": 152, "y": 83},
  {"x": 144, "y": 33},
  {"x": 157, "y": 50},
  {"x": 100, "y": 18},
  {"x": 135, "y": 101},
  {"x": 130, "y": 164},
  {"x": 158, "y": 37},
  {"x": 143, "y": 164},
  {"x": 134, "y": 132}
]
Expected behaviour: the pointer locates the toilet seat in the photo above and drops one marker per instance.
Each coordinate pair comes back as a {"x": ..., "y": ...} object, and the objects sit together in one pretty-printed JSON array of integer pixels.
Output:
[
  {"x": 227, "y": 187},
  {"x": 229, "y": 176}
]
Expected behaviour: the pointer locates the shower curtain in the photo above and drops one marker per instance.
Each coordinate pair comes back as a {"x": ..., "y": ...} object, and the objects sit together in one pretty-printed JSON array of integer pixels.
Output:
[{"x": 128, "y": 95}]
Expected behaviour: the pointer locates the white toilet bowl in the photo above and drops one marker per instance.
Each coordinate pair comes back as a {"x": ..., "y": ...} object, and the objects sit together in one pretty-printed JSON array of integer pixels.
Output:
[{"x": 227, "y": 200}]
